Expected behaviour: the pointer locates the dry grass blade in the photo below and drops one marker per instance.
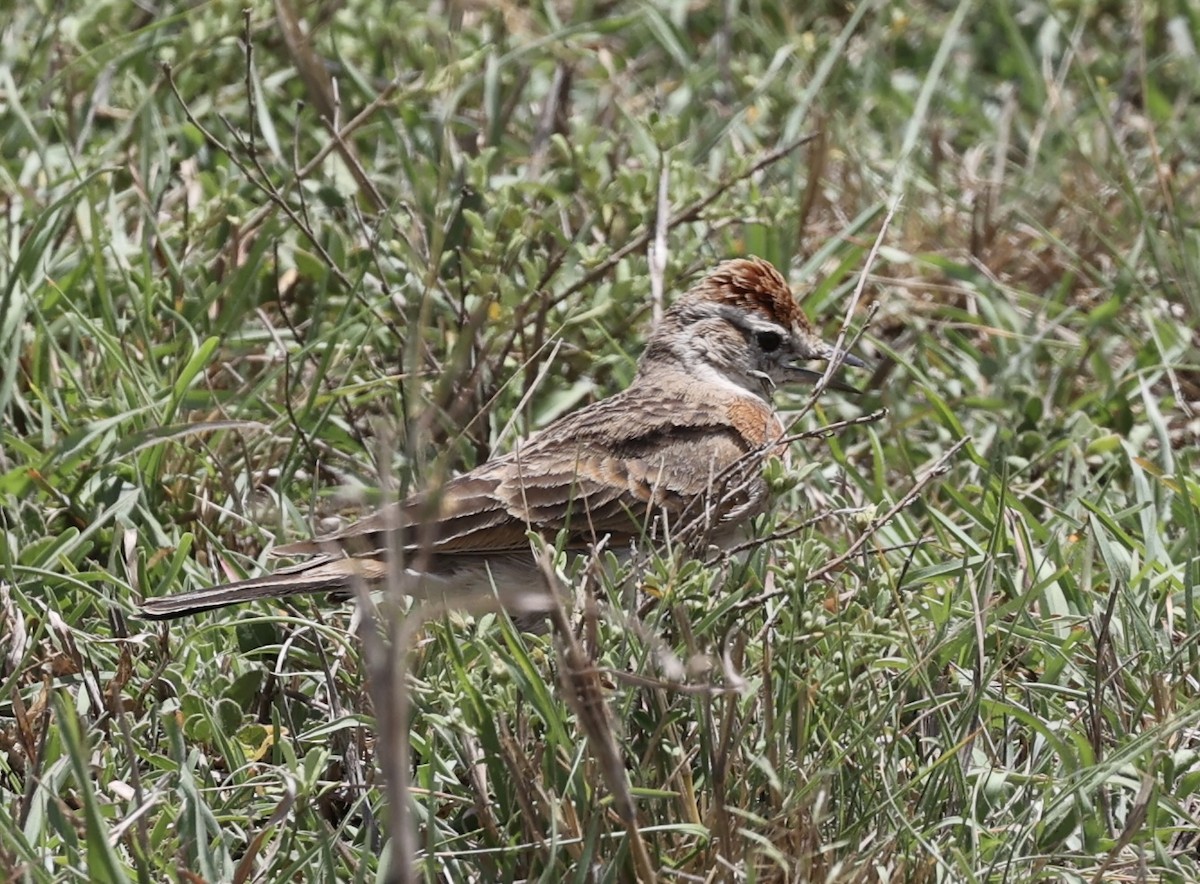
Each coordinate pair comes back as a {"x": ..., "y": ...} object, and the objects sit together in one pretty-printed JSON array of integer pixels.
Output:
[{"x": 583, "y": 692}]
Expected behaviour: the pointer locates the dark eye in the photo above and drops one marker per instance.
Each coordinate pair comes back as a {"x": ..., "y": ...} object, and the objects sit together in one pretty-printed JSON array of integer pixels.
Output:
[{"x": 768, "y": 341}]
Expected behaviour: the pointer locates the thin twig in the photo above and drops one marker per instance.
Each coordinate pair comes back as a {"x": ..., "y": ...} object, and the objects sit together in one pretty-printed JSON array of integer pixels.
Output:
[
  {"x": 257, "y": 218},
  {"x": 828, "y": 430},
  {"x": 782, "y": 534},
  {"x": 839, "y": 345},
  {"x": 322, "y": 90},
  {"x": 275, "y": 197},
  {"x": 938, "y": 469}
]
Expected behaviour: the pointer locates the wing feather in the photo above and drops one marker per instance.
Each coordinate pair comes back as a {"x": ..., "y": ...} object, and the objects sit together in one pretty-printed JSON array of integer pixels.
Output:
[{"x": 608, "y": 469}]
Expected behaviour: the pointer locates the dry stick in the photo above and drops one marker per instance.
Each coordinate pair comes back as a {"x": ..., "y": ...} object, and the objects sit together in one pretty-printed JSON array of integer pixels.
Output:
[
  {"x": 366, "y": 185},
  {"x": 824, "y": 432},
  {"x": 1134, "y": 821},
  {"x": 388, "y": 638},
  {"x": 547, "y": 363},
  {"x": 353, "y": 767},
  {"x": 552, "y": 107},
  {"x": 275, "y": 195},
  {"x": 583, "y": 693},
  {"x": 386, "y": 656},
  {"x": 721, "y": 761},
  {"x": 313, "y": 456},
  {"x": 782, "y": 534}
]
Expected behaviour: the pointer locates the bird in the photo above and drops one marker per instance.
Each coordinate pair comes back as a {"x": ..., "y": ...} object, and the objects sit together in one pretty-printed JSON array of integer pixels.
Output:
[{"x": 676, "y": 455}]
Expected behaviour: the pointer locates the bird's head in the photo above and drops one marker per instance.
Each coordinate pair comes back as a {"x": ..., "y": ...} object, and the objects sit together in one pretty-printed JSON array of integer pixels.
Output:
[{"x": 740, "y": 325}]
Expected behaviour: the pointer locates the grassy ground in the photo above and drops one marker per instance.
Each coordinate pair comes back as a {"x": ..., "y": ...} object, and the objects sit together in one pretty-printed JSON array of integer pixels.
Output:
[{"x": 224, "y": 326}]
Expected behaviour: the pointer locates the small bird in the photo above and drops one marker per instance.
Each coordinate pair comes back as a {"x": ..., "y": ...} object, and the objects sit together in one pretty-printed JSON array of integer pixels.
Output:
[{"x": 678, "y": 454}]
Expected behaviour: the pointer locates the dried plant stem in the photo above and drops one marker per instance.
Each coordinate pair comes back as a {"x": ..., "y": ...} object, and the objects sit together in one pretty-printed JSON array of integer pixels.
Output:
[{"x": 584, "y": 693}]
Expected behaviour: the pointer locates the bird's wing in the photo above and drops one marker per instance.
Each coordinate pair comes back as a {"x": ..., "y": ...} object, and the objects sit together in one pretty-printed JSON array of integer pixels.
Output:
[
  {"x": 607, "y": 469},
  {"x": 610, "y": 469}
]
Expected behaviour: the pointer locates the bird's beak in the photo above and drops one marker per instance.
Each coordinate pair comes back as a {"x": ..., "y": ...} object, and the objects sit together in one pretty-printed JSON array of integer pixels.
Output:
[{"x": 818, "y": 350}]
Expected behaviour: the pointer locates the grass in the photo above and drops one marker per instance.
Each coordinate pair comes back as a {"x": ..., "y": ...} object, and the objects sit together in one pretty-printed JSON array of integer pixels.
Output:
[{"x": 224, "y": 327}]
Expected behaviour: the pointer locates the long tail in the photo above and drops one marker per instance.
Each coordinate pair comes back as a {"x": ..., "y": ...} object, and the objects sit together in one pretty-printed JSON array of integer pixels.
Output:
[{"x": 332, "y": 576}]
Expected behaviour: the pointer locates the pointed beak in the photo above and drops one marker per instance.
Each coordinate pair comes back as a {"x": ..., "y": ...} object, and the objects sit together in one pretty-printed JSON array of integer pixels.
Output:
[{"x": 818, "y": 350}]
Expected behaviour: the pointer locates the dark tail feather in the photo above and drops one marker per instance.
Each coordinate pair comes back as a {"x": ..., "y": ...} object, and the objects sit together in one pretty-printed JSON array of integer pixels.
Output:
[{"x": 336, "y": 576}]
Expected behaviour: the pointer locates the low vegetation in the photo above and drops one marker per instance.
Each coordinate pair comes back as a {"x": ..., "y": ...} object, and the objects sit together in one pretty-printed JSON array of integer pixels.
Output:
[{"x": 266, "y": 267}]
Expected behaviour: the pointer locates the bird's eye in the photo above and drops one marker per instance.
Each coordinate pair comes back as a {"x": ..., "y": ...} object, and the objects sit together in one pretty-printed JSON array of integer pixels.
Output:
[{"x": 768, "y": 341}]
